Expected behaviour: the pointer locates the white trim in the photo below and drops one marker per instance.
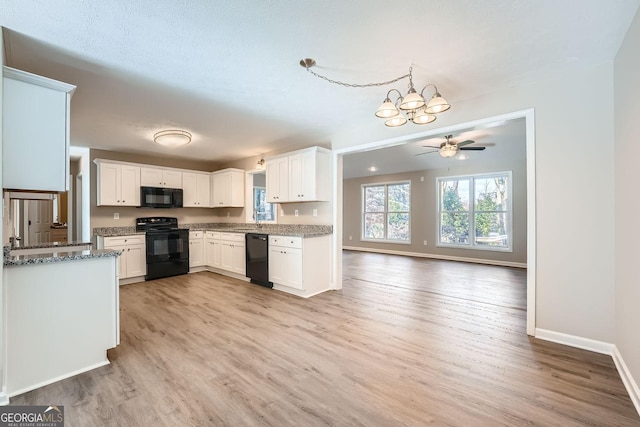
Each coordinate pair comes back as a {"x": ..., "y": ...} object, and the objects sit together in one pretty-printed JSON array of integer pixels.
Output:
[
  {"x": 435, "y": 256},
  {"x": 4, "y": 399},
  {"x": 627, "y": 378},
  {"x": 386, "y": 212},
  {"x": 248, "y": 198},
  {"x": 575, "y": 341},
  {"x": 61, "y": 377},
  {"x": 531, "y": 220},
  {"x": 34, "y": 79}
]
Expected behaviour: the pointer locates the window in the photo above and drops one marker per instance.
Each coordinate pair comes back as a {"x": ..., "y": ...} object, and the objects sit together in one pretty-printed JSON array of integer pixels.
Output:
[
  {"x": 475, "y": 211},
  {"x": 263, "y": 211},
  {"x": 385, "y": 212}
]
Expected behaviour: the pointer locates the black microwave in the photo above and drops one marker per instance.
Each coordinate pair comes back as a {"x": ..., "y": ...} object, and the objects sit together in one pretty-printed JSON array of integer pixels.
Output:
[{"x": 157, "y": 197}]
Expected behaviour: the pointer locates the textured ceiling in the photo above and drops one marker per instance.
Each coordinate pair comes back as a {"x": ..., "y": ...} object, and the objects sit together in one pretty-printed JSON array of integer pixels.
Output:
[{"x": 227, "y": 71}]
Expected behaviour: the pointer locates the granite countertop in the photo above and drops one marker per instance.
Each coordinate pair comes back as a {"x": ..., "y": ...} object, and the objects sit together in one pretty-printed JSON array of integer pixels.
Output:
[
  {"x": 298, "y": 230},
  {"x": 53, "y": 245},
  {"x": 46, "y": 258}
]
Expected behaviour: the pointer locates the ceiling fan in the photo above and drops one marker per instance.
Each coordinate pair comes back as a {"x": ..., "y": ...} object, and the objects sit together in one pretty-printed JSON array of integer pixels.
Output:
[{"x": 450, "y": 148}]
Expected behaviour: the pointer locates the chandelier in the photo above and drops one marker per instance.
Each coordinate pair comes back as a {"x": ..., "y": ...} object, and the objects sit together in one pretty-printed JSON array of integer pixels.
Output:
[{"x": 411, "y": 107}]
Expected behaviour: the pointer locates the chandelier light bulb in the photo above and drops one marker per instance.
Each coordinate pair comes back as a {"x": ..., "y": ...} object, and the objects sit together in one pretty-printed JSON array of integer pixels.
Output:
[
  {"x": 396, "y": 121},
  {"x": 387, "y": 109}
]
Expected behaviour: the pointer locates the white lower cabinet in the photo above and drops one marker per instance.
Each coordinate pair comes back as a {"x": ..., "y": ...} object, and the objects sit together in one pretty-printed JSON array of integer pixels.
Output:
[
  {"x": 232, "y": 249},
  {"x": 133, "y": 261},
  {"x": 196, "y": 249},
  {"x": 285, "y": 261},
  {"x": 301, "y": 266},
  {"x": 212, "y": 249}
]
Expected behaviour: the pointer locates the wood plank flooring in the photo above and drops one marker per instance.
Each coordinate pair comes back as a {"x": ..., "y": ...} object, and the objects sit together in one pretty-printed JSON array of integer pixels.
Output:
[{"x": 406, "y": 342}]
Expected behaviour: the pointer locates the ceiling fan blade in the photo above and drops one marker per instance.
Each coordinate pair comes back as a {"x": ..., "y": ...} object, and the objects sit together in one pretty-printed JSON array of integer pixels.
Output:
[
  {"x": 433, "y": 146},
  {"x": 427, "y": 152},
  {"x": 463, "y": 143},
  {"x": 472, "y": 148}
]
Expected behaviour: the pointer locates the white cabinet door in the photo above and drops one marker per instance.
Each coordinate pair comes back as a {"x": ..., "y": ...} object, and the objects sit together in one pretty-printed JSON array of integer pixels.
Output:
[
  {"x": 151, "y": 177},
  {"x": 293, "y": 275},
  {"x": 295, "y": 176},
  {"x": 209, "y": 252},
  {"x": 226, "y": 256},
  {"x": 130, "y": 185},
  {"x": 196, "y": 252},
  {"x": 108, "y": 184},
  {"x": 35, "y": 132},
  {"x": 136, "y": 260},
  {"x": 189, "y": 190},
  {"x": 203, "y": 185},
  {"x": 303, "y": 176},
  {"x": 238, "y": 258},
  {"x": 172, "y": 178},
  {"x": 221, "y": 189},
  {"x": 122, "y": 260},
  {"x": 277, "y": 264},
  {"x": 277, "y": 174}
]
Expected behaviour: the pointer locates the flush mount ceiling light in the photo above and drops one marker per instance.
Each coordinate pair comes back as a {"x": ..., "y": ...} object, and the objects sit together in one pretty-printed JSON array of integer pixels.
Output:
[
  {"x": 172, "y": 138},
  {"x": 411, "y": 107}
]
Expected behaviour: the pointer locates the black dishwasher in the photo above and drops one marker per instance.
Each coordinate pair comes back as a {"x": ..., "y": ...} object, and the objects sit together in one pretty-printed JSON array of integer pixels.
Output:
[{"x": 257, "y": 247}]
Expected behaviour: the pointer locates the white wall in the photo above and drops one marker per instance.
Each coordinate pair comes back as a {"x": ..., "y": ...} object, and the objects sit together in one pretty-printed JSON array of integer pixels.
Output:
[
  {"x": 627, "y": 202},
  {"x": 574, "y": 184}
]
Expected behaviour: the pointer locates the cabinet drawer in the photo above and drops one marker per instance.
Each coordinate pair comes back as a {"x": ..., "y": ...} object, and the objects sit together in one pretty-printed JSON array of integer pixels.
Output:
[
  {"x": 196, "y": 235},
  {"x": 286, "y": 241},
  {"x": 137, "y": 239},
  {"x": 212, "y": 235},
  {"x": 233, "y": 237}
]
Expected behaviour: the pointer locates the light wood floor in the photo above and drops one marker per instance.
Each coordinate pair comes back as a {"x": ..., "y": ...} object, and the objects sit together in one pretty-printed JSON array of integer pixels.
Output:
[{"x": 406, "y": 342}]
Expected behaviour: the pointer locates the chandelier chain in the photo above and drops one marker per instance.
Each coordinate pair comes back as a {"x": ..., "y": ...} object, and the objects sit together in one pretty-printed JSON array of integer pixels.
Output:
[{"x": 359, "y": 85}]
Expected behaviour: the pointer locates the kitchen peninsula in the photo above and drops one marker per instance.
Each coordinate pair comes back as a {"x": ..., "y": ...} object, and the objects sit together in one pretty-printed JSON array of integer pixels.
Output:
[{"x": 61, "y": 308}]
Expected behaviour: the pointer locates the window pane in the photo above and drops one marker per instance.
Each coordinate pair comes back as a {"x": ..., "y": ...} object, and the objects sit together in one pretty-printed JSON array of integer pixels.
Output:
[
  {"x": 491, "y": 194},
  {"x": 454, "y": 228},
  {"x": 374, "y": 199},
  {"x": 374, "y": 226},
  {"x": 491, "y": 229},
  {"x": 264, "y": 211},
  {"x": 398, "y": 226},
  {"x": 454, "y": 195},
  {"x": 399, "y": 199}
]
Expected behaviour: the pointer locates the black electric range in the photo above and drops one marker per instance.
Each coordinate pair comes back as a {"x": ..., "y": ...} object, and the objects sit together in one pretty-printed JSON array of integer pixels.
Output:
[{"x": 167, "y": 246}]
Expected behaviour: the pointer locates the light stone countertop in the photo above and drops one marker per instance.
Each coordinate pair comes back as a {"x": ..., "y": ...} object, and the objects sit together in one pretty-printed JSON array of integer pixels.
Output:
[
  {"x": 46, "y": 258},
  {"x": 299, "y": 230}
]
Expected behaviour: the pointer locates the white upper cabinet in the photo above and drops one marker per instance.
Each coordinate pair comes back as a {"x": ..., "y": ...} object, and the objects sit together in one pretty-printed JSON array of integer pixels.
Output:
[
  {"x": 299, "y": 176},
  {"x": 35, "y": 132},
  {"x": 118, "y": 184},
  {"x": 227, "y": 189},
  {"x": 277, "y": 176},
  {"x": 158, "y": 177},
  {"x": 196, "y": 190}
]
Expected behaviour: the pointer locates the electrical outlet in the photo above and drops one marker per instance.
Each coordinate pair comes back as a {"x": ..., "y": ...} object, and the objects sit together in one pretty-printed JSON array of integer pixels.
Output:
[
  {"x": 422, "y": 179},
  {"x": 281, "y": 212},
  {"x": 425, "y": 243},
  {"x": 295, "y": 213},
  {"x": 116, "y": 215},
  {"x": 350, "y": 237},
  {"x": 228, "y": 214},
  {"x": 315, "y": 212}
]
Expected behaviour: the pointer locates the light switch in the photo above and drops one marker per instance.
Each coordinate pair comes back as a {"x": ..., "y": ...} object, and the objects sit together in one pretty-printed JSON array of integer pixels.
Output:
[
  {"x": 315, "y": 212},
  {"x": 116, "y": 215},
  {"x": 295, "y": 213}
]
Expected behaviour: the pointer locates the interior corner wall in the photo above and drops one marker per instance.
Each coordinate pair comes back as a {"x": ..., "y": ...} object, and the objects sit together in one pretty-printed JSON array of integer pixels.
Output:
[
  {"x": 627, "y": 202},
  {"x": 424, "y": 212},
  {"x": 574, "y": 198}
]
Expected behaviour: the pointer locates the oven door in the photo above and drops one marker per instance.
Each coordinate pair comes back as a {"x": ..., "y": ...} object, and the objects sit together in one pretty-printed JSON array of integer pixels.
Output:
[{"x": 163, "y": 246}]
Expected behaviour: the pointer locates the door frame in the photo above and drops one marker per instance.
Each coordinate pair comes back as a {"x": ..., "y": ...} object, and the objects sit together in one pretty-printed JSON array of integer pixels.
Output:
[{"x": 529, "y": 117}]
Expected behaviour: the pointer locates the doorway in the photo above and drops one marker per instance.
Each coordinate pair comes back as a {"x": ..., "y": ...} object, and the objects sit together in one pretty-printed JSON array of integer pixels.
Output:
[{"x": 528, "y": 116}]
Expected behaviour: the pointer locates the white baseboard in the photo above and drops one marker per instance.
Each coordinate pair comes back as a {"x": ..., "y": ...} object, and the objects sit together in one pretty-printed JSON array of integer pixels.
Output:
[
  {"x": 61, "y": 377},
  {"x": 4, "y": 399},
  {"x": 575, "y": 341},
  {"x": 435, "y": 256},
  {"x": 597, "y": 347},
  {"x": 627, "y": 379}
]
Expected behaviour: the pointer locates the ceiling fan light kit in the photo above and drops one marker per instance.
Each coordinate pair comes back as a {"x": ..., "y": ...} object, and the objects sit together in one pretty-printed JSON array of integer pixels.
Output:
[
  {"x": 411, "y": 107},
  {"x": 450, "y": 148}
]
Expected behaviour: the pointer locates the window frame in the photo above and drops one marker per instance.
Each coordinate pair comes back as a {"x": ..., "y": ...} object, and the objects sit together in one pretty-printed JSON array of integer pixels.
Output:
[
  {"x": 472, "y": 211},
  {"x": 385, "y": 212}
]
